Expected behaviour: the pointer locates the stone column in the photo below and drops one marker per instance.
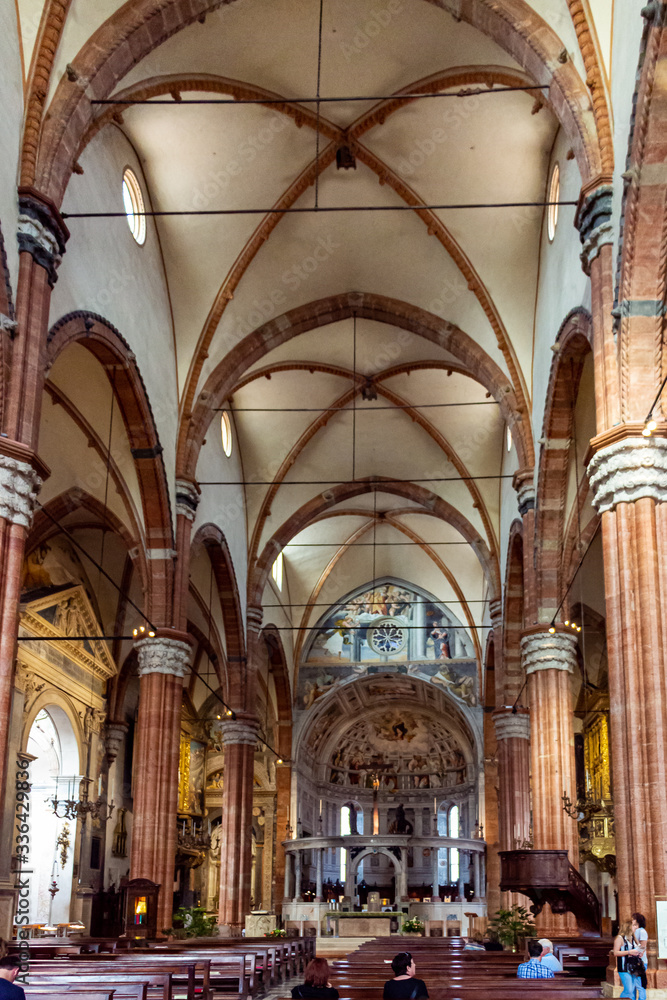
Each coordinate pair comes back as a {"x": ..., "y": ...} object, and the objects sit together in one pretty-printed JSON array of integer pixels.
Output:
[
  {"x": 239, "y": 737},
  {"x": 318, "y": 876},
  {"x": 549, "y": 660},
  {"x": 163, "y": 662},
  {"x": 513, "y": 755},
  {"x": 288, "y": 873},
  {"x": 628, "y": 475},
  {"x": 463, "y": 861},
  {"x": 298, "y": 876},
  {"x": 477, "y": 882},
  {"x": 283, "y": 794},
  {"x": 435, "y": 875}
]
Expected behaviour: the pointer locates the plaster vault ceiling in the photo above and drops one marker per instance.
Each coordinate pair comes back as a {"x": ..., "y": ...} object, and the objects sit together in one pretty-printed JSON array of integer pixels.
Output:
[{"x": 224, "y": 282}]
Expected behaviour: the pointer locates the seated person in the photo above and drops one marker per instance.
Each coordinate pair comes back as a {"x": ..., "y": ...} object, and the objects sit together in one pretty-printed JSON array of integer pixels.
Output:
[
  {"x": 533, "y": 968},
  {"x": 9, "y": 970},
  {"x": 316, "y": 985},
  {"x": 474, "y": 942},
  {"x": 491, "y": 942},
  {"x": 548, "y": 957},
  {"x": 404, "y": 985}
]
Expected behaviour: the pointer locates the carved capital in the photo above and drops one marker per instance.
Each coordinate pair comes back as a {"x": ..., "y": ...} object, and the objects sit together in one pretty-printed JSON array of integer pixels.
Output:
[
  {"x": 525, "y": 490},
  {"x": 511, "y": 725},
  {"x": 114, "y": 734},
  {"x": 8, "y": 325},
  {"x": 593, "y": 220},
  {"x": 254, "y": 619},
  {"x": 240, "y": 731},
  {"x": 548, "y": 651},
  {"x": 629, "y": 470},
  {"x": 41, "y": 231},
  {"x": 187, "y": 498},
  {"x": 162, "y": 655},
  {"x": 19, "y": 486},
  {"x": 496, "y": 612}
]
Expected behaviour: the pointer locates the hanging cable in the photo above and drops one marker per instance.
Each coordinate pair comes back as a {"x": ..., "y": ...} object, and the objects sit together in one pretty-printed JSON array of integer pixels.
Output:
[
  {"x": 317, "y": 119},
  {"x": 354, "y": 397}
]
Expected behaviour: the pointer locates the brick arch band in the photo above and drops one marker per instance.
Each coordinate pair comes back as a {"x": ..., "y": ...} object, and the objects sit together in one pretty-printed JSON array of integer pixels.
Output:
[
  {"x": 574, "y": 344},
  {"x": 223, "y": 381},
  {"x": 440, "y": 508},
  {"x": 211, "y": 538},
  {"x": 140, "y": 26}
]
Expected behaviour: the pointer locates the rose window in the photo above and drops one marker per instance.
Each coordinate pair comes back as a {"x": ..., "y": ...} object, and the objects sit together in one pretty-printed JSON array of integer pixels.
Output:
[{"x": 387, "y": 637}]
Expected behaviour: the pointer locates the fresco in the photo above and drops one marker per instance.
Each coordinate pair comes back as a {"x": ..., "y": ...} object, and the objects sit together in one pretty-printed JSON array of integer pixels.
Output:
[
  {"x": 397, "y": 750},
  {"x": 369, "y": 628}
]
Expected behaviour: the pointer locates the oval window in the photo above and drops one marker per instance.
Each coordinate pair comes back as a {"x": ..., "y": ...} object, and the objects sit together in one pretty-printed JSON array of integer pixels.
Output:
[
  {"x": 552, "y": 207},
  {"x": 133, "y": 202},
  {"x": 226, "y": 432}
]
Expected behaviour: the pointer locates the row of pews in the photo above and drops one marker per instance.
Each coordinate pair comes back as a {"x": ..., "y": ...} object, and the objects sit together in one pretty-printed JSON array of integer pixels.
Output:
[
  {"x": 450, "y": 973},
  {"x": 205, "y": 969}
]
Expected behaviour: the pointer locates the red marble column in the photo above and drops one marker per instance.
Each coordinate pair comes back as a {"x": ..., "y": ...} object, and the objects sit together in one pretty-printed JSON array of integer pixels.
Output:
[
  {"x": 628, "y": 475},
  {"x": 240, "y": 738},
  {"x": 513, "y": 755},
  {"x": 283, "y": 798},
  {"x": 548, "y": 661},
  {"x": 42, "y": 236},
  {"x": 163, "y": 662}
]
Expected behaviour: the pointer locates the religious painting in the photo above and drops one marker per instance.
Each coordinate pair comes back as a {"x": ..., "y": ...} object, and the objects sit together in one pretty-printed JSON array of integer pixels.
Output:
[
  {"x": 389, "y": 623},
  {"x": 397, "y": 750},
  {"x": 191, "y": 776}
]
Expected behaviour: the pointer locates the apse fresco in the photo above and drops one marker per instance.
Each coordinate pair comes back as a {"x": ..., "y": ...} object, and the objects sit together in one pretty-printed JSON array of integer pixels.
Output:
[
  {"x": 390, "y": 628},
  {"x": 396, "y": 750}
]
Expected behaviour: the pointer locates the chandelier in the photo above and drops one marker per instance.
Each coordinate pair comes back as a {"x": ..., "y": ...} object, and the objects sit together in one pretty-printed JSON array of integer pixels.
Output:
[{"x": 82, "y": 807}]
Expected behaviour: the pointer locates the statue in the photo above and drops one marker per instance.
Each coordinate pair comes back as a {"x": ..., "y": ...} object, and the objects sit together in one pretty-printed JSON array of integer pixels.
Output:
[{"x": 401, "y": 825}]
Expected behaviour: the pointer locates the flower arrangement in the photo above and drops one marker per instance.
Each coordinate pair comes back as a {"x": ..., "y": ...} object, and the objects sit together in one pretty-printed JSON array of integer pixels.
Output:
[
  {"x": 277, "y": 932},
  {"x": 412, "y": 926}
]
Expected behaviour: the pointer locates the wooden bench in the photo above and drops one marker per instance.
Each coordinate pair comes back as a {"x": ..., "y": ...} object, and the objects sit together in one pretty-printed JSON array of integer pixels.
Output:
[{"x": 157, "y": 984}]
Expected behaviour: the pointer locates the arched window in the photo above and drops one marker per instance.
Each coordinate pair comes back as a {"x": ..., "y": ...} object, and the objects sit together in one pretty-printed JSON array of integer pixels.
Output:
[
  {"x": 277, "y": 572},
  {"x": 454, "y": 854},
  {"x": 133, "y": 202},
  {"x": 552, "y": 208}
]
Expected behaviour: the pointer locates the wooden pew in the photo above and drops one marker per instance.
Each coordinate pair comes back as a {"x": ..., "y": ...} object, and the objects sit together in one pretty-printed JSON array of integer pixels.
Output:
[{"x": 158, "y": 984}]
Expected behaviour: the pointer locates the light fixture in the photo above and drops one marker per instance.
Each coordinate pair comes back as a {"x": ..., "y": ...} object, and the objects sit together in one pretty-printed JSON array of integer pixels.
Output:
[
  {"x": 229, "y": 712},
  {"x": 552, "y": 630},
  {"x": 649, "y": 427},
  {"x": 279, "y": 760}
]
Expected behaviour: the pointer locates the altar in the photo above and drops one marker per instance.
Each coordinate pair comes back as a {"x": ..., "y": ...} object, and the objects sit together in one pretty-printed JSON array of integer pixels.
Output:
[{"x": 377, "y": 923}]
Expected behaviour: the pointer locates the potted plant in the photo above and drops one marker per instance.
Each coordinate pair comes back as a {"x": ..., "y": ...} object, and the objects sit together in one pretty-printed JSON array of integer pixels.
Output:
[
  {"x": 193, "y": 921},
  {"x": 412, "y": 926},
  {"x": 512, "y": 927}
]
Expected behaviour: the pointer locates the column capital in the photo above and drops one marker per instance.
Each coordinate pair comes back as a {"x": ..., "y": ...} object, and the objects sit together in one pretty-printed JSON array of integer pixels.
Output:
[
  {"x": 243, "y": 729},
  {"x": 544, "y": 650},
  {"x": 21, "y": 476},
  {"x": 41, "y": 231},
  {"x": 593, "y": 219},
  {"x": 512, "y": 723},
  {"x": 523, "y": 483},
  {"x": 188, "y": 495},
  {"x": 164, "y": 654},
  {"x": 496, "y": 612},
  {"x": 628, "y": 468},
  {"x": 114, "y": 734},
  {"x": 254, "y": 618}
]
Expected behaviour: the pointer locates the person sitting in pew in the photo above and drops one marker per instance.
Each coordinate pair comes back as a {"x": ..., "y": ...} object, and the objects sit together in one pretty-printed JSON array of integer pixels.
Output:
[
  {"x": 533, "y": 968},
  {"x": 316, "y": 985},
  {"x": 491, "y": 942},
  {"x": 9, "y": 970},
  {"x": 548, "y": 957},
  {"x": 404, "y": 985},
  {"x": 475, "y": 942}
]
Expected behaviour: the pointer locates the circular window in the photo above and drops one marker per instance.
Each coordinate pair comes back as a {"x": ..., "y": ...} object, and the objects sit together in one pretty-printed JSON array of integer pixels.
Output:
[
  {"x": 226, "y": 432},
  {"x": 387, "y": 636},
  {"x": 552, "y": 207},
  {"x": 133, "y": 202}
]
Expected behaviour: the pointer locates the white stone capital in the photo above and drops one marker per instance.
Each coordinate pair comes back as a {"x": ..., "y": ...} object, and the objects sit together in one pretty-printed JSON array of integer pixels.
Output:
[
  {"x": 239, "y": 731},
  {"x": 161, "y": 655},
  {"x": 32, "y": 229},
  {"x": 187, "y": 498},
  {"x": 511, "y": 726},
  {"x": 629, "y": 470},
  {"x": 548, "y": 651},
  {"x": 19, "y": 486}
]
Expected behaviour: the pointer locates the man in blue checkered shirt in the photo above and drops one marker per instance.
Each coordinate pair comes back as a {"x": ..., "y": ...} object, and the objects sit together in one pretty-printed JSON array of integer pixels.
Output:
[{"x": 533, "y": 968}]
